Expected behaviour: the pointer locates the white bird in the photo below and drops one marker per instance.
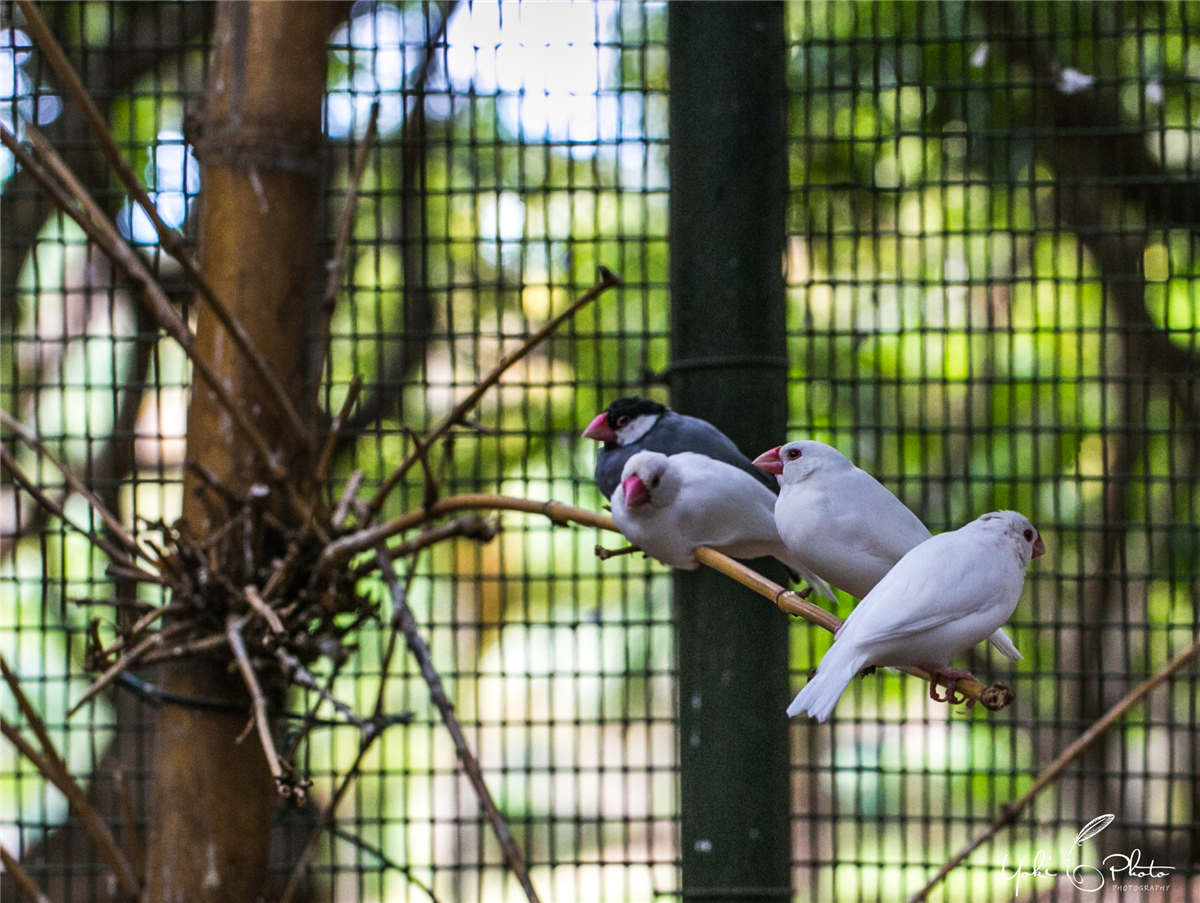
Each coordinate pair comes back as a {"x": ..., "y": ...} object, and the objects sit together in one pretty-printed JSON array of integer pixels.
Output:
[
  {"x": 943, "y": 597},
  {"x": 842, "y": 522},
  {"x": 668, "y": 506}
]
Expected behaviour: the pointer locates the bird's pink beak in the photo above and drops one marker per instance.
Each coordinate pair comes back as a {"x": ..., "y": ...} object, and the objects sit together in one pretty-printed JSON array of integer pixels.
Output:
[
  {"x": 635, "y": 492},
  {"x": 770, "y": 461},
  {"x": 1039, "y": 547},
  {"x": 599, "y": 429}
]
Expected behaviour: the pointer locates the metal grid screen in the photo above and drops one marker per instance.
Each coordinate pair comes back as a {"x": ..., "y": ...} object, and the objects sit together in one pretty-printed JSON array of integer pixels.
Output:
[{"x": 992, "y": 301}]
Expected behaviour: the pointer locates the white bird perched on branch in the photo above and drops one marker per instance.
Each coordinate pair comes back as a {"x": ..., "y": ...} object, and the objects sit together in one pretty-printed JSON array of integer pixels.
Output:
[
  {"x": 943, "y": 597},
  {"x": 843, "y": 523},
  {"x": 669, "y": 505}
]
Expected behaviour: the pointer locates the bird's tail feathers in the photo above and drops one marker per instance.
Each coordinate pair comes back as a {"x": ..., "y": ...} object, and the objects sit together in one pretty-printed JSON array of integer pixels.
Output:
[
  {"x": 1007, "y": 648},
  {"x": 809, "y": 577},
  {"x": 822, "y": 693}
]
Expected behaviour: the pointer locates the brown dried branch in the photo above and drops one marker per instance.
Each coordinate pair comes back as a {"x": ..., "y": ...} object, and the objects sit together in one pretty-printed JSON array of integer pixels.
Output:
[
  {"x": 326, "y": 819},
  {"x": 172, "y": 241},
  {"x": 24, "y": 881},
  {"x": 296, "y": 673},
  {"x": 608, "y": 279},
  {"x": 995, "y": 697},
  {"x": 254, "y": 600},
  {"x": 110, "y": 520},
  {"x": 416, "y": 645},
  {"x": 337, "y": 263},
  {"x": 131, "y": 658},
  {"x": 117, "y": 554},
  {"x": 467, "y": 527},
  {"x": 285, "y": 782},
  {"x": 335, "y": 428},
  {"x": 1054, "y": 770},
  {"x": 55, "y": 770},
  {"x": 348, "y": 497}
]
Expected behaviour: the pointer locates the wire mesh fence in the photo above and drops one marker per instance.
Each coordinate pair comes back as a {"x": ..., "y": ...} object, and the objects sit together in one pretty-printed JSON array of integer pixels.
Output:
[{"x": 991, "y": 291}]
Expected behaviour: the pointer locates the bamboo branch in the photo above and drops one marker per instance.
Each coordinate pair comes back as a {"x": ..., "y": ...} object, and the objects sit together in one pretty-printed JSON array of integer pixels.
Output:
[
  {"x": 172, "y": 242},
  {"x": 24, "y": 881},
  {"x": 995, "y": 697},
  {"x": 416, "y": 644},
  {"x": 55, "y": 770},
  {"x": 1054, "y": 770},
  {"x": 608, "y": 279},
  {"x": 110, "y": 520}
]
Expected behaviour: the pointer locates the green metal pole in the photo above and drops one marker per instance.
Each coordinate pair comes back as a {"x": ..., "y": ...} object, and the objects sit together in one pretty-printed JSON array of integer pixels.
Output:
[{"x": 729, "y": 365}]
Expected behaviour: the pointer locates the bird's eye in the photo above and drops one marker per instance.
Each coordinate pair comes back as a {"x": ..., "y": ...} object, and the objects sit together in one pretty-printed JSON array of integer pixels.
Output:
[
  {"x": 654, "y": 482},
  {"x": 793, "y": 454},
  {"x": 622, "y": 420},
  {"x": 1029, "y": 536}
]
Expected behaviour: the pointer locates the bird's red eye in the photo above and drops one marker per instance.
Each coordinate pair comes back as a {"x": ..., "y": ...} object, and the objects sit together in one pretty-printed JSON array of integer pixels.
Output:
[
  {"x": 1029, "y": 536},
  {"x": 793, "y": 454},
  {"x": 622, "y": 420}
]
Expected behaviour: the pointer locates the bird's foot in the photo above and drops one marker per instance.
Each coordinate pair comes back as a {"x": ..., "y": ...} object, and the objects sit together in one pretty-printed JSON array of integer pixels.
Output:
[
  {"x": 867, "y": 671},
  {"x": 951, "y": 676}
]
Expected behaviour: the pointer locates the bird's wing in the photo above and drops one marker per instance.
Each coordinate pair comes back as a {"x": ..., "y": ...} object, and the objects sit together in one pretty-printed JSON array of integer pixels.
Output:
[
  {"x": 720, "y": 505},
  {"x": 944, "y": 580},
  {"x": 675, "y": 433},
  {"x": 894, "y": 530}
]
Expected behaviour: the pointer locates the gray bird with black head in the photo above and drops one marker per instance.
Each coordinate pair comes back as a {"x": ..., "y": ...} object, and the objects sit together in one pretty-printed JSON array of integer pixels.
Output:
[{"x": 634, "y": 424}]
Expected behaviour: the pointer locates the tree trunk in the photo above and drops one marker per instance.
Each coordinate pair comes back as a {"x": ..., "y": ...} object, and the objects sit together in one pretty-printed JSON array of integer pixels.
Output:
[{"x": 260, "y": 147}]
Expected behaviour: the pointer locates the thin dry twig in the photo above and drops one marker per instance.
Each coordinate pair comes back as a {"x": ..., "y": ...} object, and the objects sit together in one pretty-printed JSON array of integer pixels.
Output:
[
  {"x": 131, "y": 658},
  {"x": 341, "y": 244},
  {"x": 110, "y": 520},
  {"x": 348, "y": 496},
  {"x": 268, "y": 614},
  {"x": 24, "y": 880},
  {"x": 416, "y": 645},
  {"x": 472, "y": 527},
  {"x": 1054, "y": 770},
  {"x": 608, "y": 279},
  {"x": 302, "y": 677},
  {"x": 335, "y": 428},
  {"x": 604, "y": 554},
  {"x": 117, "y": 554},
  {"x": 258, "y": 705},
  {"x": 55, "y": 770},
  {"x": 172, "y": 242},
  {"x": 326, "y": 818}
]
